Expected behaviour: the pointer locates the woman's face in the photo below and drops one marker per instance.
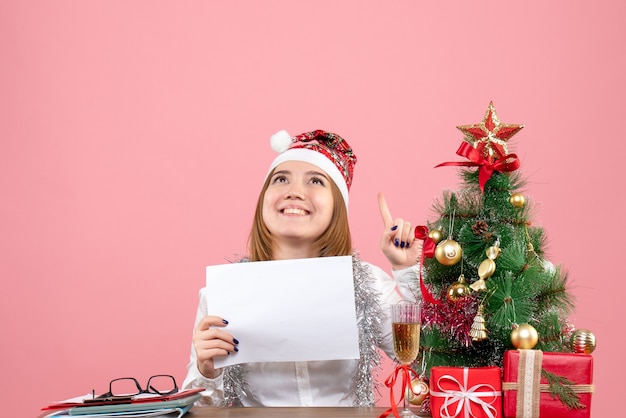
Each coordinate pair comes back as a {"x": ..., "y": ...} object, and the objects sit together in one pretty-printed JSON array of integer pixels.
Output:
[{"x": 298, "y": 203}]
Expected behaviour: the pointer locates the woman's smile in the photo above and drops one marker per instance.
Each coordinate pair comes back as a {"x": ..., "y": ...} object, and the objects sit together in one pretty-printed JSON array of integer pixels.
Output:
[{"x": 294, "y": 211}]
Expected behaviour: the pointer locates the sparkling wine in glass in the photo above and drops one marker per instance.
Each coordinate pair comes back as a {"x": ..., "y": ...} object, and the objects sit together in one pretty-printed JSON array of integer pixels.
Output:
[{"x": 406, "y": 325}]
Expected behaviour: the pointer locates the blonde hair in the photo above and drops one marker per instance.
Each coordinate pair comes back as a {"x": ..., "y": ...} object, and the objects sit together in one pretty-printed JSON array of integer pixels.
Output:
[{"x": 336, "y": 240}]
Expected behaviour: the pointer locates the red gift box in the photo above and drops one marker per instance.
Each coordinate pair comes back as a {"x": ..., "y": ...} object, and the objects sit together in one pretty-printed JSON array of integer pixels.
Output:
[
  {"x": 527, "y": 393},
  {"x": 465, "y": 392}
]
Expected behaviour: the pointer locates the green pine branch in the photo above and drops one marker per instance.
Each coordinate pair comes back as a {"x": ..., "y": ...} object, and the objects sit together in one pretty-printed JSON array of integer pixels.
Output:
[
  {"x": 511, "y": 303},
  {"x": 555, "y": 293},
  {"x": 550, "y": 324},
  {"x": 561, "y": 387}
]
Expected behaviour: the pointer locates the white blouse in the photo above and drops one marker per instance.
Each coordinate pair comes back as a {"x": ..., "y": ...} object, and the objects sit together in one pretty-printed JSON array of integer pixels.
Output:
[{"x": 312, "y": 383}]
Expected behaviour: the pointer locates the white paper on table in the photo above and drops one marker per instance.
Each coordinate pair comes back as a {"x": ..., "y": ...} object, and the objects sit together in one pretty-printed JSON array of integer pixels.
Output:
[{"x": 286, "y": 310}]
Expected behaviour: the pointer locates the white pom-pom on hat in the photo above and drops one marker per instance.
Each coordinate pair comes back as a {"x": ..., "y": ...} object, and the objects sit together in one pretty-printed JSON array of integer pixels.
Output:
[{"x": 280, "y": 141}]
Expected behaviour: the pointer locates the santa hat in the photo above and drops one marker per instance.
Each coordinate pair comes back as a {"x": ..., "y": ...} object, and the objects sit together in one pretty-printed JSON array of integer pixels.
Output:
[{"x": 325, "y": 150}]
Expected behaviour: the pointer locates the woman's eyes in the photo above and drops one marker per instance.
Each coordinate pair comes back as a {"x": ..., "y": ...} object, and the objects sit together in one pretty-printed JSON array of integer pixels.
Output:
[{"x": 312, "y": 180}]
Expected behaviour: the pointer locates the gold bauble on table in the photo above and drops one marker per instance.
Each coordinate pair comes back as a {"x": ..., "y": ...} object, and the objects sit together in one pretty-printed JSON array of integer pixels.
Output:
[
  {"x": 517, "y": 200},
  {"x": 435, "y": 235},
  {"x": 420, "y": 391},
  {"x": 583, "y": 341},
  {"x": 448, "y": 252},
  {"x": 524, "y": 337},
  {"x": 458, "y": 290}
]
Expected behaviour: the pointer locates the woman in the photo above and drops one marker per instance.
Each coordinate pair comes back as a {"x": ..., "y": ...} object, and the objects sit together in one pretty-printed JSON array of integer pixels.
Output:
[{"x": 302, "y": 212}]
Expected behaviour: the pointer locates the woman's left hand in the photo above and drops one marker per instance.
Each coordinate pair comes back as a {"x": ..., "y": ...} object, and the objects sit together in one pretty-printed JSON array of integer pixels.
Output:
[{"x": 398, "y": 240}]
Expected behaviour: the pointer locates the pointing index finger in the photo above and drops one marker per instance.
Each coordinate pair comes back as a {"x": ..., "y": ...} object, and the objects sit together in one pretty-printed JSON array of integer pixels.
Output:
[{"x": 384, "y": 211}]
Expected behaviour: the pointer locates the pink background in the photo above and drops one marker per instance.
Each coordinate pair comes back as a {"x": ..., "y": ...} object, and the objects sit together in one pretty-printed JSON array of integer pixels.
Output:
[{"x": 134, "y": 138}]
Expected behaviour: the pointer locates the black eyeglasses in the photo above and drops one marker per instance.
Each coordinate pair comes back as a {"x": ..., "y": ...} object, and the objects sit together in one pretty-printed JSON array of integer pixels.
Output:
[{"x": 160, "y": 384}]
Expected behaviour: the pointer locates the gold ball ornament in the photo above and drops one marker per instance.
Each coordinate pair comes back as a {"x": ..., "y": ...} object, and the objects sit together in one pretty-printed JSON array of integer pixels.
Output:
[
  {"x": 458, "y": 290},
  {"x": 448, "y": 252},
  {"x": 435, "y": 235},
  {"x": 583, "y": 341},
  {"x": 524, "y": 337},
  {"x": 419, "y": 393},
  {"x": 517, "y": 200}
]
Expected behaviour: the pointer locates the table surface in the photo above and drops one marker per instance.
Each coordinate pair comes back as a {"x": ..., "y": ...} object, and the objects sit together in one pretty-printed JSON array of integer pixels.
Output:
[{"x": 284, "y": 412}]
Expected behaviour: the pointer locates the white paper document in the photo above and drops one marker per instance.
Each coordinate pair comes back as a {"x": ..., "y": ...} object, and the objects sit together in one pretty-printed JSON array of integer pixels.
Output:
[{"x": 286, "y": 310}]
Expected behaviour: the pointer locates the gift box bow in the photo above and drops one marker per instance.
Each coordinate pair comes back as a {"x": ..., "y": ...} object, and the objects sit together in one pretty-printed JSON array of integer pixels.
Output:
[{"x": 464, "y": 396}]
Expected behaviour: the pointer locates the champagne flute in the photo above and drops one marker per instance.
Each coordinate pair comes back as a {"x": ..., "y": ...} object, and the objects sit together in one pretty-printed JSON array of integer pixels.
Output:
[{"x": 406, "y": 325}]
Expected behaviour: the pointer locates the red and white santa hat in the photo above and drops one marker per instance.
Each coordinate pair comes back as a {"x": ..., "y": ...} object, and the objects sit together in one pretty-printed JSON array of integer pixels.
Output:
[{"x": 325, "y": 150}]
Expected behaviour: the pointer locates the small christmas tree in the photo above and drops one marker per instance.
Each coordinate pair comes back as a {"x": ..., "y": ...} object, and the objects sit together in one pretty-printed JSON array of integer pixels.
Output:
[{"x": 487, "y": 287}]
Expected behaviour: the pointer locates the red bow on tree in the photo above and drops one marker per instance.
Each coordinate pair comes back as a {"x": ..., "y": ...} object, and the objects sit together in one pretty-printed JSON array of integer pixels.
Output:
[{"x": 508, "y": 163}]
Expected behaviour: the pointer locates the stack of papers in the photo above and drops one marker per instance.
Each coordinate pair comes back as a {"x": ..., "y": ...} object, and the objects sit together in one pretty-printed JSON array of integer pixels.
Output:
[{"x": 145, "y": 405}]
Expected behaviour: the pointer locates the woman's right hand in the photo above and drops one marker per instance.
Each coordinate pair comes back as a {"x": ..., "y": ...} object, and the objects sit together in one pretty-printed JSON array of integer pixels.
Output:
[
  {"x": 398, "y": 242},
  {"x": 209, "y": 341}
]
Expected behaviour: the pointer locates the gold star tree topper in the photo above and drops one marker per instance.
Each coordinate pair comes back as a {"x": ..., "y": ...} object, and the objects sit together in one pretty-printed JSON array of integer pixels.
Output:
[{"x": 490, "y": 136}]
